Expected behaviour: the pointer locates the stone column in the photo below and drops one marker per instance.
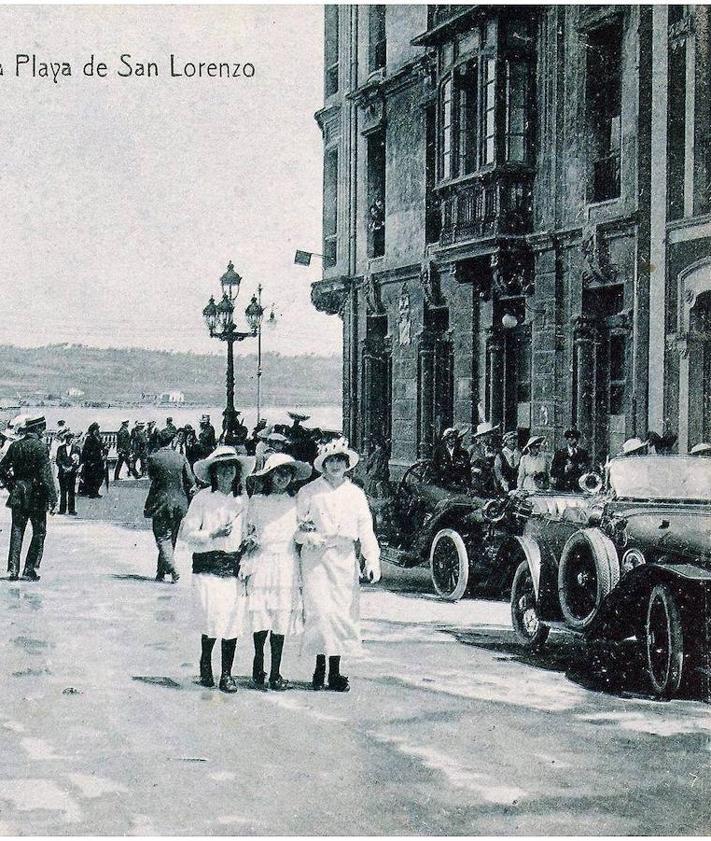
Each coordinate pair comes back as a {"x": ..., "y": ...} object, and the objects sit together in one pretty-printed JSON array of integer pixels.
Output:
[
  {"x": 495, "y": 374},
  {"x": 584, "y": 361},
  {"x": 425, "y": 414}
]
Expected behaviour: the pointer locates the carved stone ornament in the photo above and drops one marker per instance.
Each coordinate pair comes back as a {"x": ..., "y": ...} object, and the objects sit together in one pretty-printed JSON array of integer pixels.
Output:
[
  {"x": 679, "y": 342},
  {"x": 373, "y": 302},
  {"x": 511, "y": 273},
  {"x": 429, "y": 278},
  {"x": 597, "y": 266},
  {"x": 404, "y": 324}
]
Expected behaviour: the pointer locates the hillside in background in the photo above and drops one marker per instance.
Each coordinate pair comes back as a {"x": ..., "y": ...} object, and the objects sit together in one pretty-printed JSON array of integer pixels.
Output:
[{"x": 125, "y": 374}]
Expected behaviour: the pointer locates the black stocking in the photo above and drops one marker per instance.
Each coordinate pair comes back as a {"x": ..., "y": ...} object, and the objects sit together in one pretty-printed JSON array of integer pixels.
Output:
[
  {"x": 228, "y": 656},
  {"x": 334, "y": 668},
  {"x": 207, "y": 644},
  {"x": 320, "y": 666},
  {"x": 276, "y": 643},
  {"x": 258, "y": 664}
]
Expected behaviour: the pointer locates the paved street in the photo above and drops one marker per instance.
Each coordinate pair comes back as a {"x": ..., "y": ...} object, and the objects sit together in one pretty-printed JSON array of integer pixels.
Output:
[{"x": 447, "y": 730}]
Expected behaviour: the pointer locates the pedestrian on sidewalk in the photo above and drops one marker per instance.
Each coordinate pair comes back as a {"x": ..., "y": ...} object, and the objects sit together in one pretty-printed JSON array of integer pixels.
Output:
[
  {"x": 123, "y": 451},
  {"x": 172, "y": 484},
  {"x": 92, "y": 462},
  {"x": 333, "y": 514},
  {"x": 27, "y": 473},
  {"x": 68, "y": 458},
  {"x": 213, "y": 527},
  {"x": 270, "y": 565}
]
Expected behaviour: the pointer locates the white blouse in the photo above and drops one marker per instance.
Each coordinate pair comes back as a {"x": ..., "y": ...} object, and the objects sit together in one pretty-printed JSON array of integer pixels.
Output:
[
  {"x": 208, "y": 511},
  {"x": 341, "y": 512}
]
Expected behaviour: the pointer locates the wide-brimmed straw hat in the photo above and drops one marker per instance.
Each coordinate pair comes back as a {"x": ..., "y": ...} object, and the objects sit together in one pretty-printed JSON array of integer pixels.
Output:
[
  {"x": 536, "y": 439},
  {"x": 297, "y": 416},
  {"x": 507, "y": 436},
  {"x": 701, "y": 449},
  {"x": 485, "y": 428},
  {"x": 339, "y": 447},
  {"x": 221, "y": 455},
  {"x": 633, "y": 445},
  {"x": 35, "y": 423},
  {"x": 450, "y": 430},
  {"x": 301, "y": 469}
]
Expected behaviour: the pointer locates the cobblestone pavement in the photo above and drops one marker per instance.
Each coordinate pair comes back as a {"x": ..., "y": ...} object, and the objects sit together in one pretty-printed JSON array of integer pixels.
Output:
[{"x": 447, "y": 730}]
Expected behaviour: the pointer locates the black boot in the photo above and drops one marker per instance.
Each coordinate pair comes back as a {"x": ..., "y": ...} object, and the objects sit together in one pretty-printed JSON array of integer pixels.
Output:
[
  {"x": 276, "y": 681},
  {"x": 336, "y": 681},
  {"x": 319, "y": 677},
  {"x": 206, "y": 677},
  {"x": 258, "y": 673},
  {"x": 227, "y": 682}
]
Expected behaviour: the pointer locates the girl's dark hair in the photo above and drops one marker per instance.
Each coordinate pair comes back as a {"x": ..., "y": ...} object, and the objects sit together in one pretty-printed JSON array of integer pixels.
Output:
[
  {"x": 264, "y": 486},
  {"x": 236, "y": 483}
]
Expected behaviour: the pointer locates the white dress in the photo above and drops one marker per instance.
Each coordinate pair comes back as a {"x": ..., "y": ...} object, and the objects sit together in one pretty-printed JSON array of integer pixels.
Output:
[
  {"x": 219, "y": 601},
  {"x": 529, "y": 467},
  {"x": 330, "y": 573},
  {"x": 274, "y": 579}
]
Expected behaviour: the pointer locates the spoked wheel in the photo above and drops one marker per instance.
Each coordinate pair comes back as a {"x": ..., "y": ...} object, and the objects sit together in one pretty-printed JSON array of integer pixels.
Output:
[
  {"x": 587, "y": 573},
  {"x": 664, "y": 642},
  {"x": 449, "y": 565},
  {"x": 529, "y": 630}
]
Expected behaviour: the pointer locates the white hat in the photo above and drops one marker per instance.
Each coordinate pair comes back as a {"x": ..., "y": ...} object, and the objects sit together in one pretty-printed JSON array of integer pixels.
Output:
[
  {"x": 633, "y": 445},
  {"x": 536, "y": 439},
  {"x": 485, "y": 429},
  {"x": 338, "y": 447},
  {"x": 450, "y": 430},
  {"x": 221, "y": 455},
  {"x": 700, "y": 449},
  {"x": 301, "y": 469}
]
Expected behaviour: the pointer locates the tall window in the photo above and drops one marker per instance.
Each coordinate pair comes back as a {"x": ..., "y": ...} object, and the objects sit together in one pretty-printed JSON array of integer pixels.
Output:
[
  {"x": 446, "y": 130},
  {"x": 489, "y": 111},
  {"x": 604, "y": 109},
  {"x": 331, "y": 50},
  {"x": 376, "y": 195},
  {"x": 377, "y": 39},
  {"x": 516, "y": 111},
  {"x": 330, "y": 207},
  {"x": 467, "y": 134},
  {"x": 676, "y": 129}
]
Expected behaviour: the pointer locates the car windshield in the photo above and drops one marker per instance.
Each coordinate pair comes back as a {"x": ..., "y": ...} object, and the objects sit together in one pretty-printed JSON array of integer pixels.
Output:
[{"x": 661, "y": 477}]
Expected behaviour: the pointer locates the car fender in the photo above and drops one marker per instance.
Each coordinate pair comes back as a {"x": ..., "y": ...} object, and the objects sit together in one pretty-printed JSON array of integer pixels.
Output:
[{"x": 532, "y": 553}]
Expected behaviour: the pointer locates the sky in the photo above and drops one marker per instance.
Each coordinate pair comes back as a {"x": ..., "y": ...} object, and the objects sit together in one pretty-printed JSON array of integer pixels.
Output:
[{"x": 124, "y": 198}]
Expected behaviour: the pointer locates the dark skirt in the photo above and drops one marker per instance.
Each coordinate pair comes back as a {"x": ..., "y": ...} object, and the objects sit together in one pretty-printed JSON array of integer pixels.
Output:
[{"x": 223, "y": 564}]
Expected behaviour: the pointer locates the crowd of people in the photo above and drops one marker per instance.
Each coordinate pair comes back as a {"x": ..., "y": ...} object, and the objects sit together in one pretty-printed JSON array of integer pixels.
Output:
[
  {"x": 494, "y": 464},
  {"x": 273, "y": 532}
]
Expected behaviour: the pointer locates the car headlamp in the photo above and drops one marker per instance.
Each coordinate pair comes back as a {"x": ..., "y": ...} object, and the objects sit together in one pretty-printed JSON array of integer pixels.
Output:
[{"x": 631, "y": 559}]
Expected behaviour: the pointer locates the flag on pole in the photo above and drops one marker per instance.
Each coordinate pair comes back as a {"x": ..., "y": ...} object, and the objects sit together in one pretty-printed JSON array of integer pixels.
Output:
[{"x": 303, "y": 258}]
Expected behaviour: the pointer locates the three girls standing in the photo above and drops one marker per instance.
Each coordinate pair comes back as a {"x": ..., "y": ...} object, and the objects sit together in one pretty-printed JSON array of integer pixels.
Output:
[{"x": 277, "y": 592}]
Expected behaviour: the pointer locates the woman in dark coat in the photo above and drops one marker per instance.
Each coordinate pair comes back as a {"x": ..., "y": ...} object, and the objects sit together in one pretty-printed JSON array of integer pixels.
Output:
[{"x": 92, "y": 461}]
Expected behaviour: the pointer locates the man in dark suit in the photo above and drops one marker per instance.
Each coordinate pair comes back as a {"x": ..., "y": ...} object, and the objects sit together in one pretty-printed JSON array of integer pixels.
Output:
[
  {"x": 68, "y": 458},
  {"x": 451, "y": 466},
  {"x": 206, "y": 438},
  {"x": 570, "y": 463},
  {"x": 123, "y": 450},
  {"x": 93, "y": 465},
  {"x": 26, "y": 471},
  {"x": 172, "y": 483}
]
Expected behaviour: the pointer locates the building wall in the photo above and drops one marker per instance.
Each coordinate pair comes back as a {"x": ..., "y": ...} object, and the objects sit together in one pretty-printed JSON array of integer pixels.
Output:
[{"x": 583, "y": 278}]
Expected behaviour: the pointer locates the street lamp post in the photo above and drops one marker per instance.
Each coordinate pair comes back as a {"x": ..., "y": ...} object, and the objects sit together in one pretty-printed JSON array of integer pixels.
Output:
[
  {"x": 219, "y": 318},
  {"x": 255, "y": 318}
]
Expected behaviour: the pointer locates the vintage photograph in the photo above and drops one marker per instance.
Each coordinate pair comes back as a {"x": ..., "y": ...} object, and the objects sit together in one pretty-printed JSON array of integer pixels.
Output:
[{"x": 355, "y": 420}]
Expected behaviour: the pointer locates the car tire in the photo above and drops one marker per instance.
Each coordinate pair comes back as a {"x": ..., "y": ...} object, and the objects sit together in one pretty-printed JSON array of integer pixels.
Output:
[
  {"x": 664, "y": 642},
  {"x": 589, "y": 570},
  {"x": 529, "y": 630},
  {"x": 449, "y": 565}
]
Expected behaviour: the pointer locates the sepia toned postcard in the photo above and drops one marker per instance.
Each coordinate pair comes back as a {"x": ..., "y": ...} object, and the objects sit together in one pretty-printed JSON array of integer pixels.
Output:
[{"x": 355, "y": 420}]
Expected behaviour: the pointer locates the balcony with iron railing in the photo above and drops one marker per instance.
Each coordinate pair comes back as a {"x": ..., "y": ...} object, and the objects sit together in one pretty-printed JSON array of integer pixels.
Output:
[{"x": 496, "y": 204}]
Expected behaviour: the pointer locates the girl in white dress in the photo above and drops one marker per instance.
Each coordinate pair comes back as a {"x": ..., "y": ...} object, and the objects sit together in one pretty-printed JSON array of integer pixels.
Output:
[
  {"x": 270, "y": 565},
  {"x": 534, "y": 467},
  {"x": 213, "y": 527},
  {"x": 333, "y": 514}
]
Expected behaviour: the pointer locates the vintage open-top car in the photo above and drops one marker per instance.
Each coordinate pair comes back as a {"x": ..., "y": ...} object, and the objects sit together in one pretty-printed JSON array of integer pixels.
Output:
[
  {"x": 629, "y": 558},
  {"x": 449, "y": 529}
]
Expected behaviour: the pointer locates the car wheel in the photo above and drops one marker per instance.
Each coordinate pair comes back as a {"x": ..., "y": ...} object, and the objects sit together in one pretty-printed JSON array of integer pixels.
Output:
[
  {"x": 588, "y": 571},
  {"x": 664, "y": 642},
  {"x": 529, "y": 630},
  {"x": 449, "y": 565}
]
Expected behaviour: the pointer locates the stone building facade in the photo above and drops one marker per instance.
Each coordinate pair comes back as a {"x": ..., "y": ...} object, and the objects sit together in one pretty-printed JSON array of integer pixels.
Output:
[{"x": 517, "y": 220}]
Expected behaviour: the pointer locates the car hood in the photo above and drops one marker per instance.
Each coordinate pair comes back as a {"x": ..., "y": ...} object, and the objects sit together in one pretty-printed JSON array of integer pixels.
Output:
[{"x": 669, "y": 529}]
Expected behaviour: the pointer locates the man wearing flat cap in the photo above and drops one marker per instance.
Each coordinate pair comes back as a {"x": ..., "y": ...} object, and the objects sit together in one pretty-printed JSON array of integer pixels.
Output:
[
  {"x": 123, "y": 450},
  {"x": 570, "y": 463},
  {"x": 451, "y": 464},
  {"x": 68, "y": 459},
  {"x": 27, "y": 473}
]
